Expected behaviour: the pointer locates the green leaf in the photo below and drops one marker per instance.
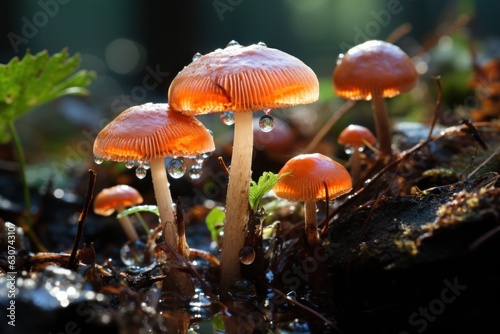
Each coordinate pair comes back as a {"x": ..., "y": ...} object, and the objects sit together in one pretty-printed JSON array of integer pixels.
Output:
[
  {"x": 37, "y": 79},
  {"x": 139, "y": 208},
  {"x": 215, "y": 222},
  {"x": 265, "y": 183}
]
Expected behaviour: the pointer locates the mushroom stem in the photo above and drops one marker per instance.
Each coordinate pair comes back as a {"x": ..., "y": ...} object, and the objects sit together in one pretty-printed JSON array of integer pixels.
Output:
[
  {"x": 127, "y": 225},
  {"x": 383, "y": 127},
  {"x": 311, "y": 226},
  {"x": 164, "y": 202},
  {"x": 176, "y": 280},
  {"x": 355, "y": 163},
  {"x": 237, "y": 201}
]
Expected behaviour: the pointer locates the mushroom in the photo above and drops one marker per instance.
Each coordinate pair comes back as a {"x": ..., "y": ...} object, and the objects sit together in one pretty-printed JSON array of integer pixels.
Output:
[
  {"x": 117, "y": 198},
  {"x": 149, "y": 133},
  {"x": 375, "y": 70},
  {"x": 354, "y": 138},
  {"x": 241, "y": 79},
  {"x": 309, "y": 175}
]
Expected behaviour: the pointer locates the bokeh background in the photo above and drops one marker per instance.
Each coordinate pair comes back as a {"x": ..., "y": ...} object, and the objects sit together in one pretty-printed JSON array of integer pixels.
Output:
[{"x": 124, "y": 41}]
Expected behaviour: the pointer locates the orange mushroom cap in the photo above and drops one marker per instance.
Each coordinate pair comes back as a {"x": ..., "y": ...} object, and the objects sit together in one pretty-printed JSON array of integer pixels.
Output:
[
  {"x": 151, "y": 131},
  {"x": 242, "y": 78},
  {"x": 356, "y": 136},
  {"x": 109, "y": 199},
  {"x": 374, "y": 68},
  {"x": 307, "y": 174}
]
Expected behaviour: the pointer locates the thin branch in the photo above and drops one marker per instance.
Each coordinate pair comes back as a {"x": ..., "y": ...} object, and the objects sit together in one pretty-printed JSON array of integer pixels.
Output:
[
  {"x": 81, "y": 219},
  {"x": 438, "y": 104}
]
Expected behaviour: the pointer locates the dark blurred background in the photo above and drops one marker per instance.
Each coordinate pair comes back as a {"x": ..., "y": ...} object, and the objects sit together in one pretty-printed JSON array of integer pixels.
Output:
[{"x": 126, "y": 41}]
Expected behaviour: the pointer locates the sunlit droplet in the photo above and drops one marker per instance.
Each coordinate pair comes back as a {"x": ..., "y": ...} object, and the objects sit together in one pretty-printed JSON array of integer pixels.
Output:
[
  {"x": 340, "y": 57},
  {"x": 199, "y": 158},
  {"x": 266, "y": 123},
  {"x": 197, "y": 56},
  {"x": 146, "y": 165},
  {"x": 206, "y": 155},
  {"x": 132, "y": 253},
  {"x": 233, "y": 43},
  {"x": 227, "y": 117},
  {"x": 261, "y": 44},
  {"x": 195, "y": 172},
  {"x": 176, "y": 168},
  {"x": 348, "y": 149},
  {"x": 141, "y": 172},
  {"x": 130, "y": 164},
  {"x": 247, "y": 255},
  {"x": 98, "y": 160}
]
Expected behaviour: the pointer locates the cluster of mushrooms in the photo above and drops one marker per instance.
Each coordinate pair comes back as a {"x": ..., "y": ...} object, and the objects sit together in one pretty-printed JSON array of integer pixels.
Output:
[{"x": 243, "y": 79}]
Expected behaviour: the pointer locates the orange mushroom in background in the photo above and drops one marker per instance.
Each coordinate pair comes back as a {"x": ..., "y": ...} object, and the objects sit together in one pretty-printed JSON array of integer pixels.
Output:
[
  {"x": 241, "y": 79},
  {"x": 355, "y": 138},
  {"x": 117, "y": 198},
  {"x": 309, "y": 175},
  {"x": 375, "y": 70}
]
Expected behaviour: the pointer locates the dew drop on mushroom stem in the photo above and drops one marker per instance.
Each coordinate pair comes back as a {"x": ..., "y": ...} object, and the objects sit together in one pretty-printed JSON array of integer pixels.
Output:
[
  {"x": 130, "y": 164},
  {"x": 176, "y": 168},
  {"x": 195, "y": 172},
  {"x": 233, "y": 43},
  {"x": 141, "y": 172},
  {"x": 227, "y": 118},
  {"x": 197, "y": 56},
  {"x": 98, "y": 160},
  {"x": 146, "y": 165},
  {"x": 247, "y": 255},
  {"x": 266, "y": 123}
]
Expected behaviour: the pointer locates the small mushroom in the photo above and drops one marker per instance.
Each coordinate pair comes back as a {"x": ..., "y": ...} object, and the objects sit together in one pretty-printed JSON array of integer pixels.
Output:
[
  {"x": 117, "y": 198},
  {"x": 241, "y": 79},
  {"x": 355, "y": 138},
  {"x": 375, "y": 70},
  {"x": 150, "y": 133},
  {"x": 309, "y": 175}
]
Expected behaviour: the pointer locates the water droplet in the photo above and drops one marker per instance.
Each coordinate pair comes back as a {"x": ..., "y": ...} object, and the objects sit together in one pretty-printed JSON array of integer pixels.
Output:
[
  {"x": 349, "y": 149},
  {"x": 339, "y": 58},
  {"x": 197, "y": 56},
  {"x": 247, "y": 255},
  {"x": 242, "y": 290},
  {"x": 267, "y": 111},
  {"x": 266, "y": 123},
  {"x": 141, "y": 172},
  {"x": 195, "y": 172},
  {"x": 146, "y": 165},
  {"x": 200, "y": 158},
  {"x": 206, "y": 155},
  {"x": 233, "y": 43},
  {"x": 132, "y": 253},
  {"x": 130, "y": 164},
  {"x": 98, "y": 160},
  {"x": 227, "y": 117},
  {"x": 211, "y": 132},
  {"x": 262, "y": 44},
  {"x": 176, "y": 168}
]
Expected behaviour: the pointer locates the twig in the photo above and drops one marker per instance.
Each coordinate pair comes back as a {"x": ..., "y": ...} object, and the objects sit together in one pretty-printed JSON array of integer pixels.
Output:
[
  {"x": 399, "y": 32},
  {"x": 484, "y": 162},
  {"x": 438, "y": 104},
  {"x": 328, "y": 125},
  {"x": 223, "y": 164},
  {"x": 81, "y": 219}
]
